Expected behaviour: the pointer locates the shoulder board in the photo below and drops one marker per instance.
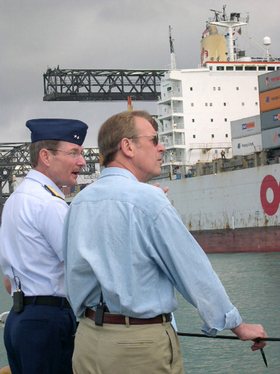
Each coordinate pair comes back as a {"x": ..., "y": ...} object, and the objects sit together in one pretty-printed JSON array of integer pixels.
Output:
[{"x": 52, "y": 191}]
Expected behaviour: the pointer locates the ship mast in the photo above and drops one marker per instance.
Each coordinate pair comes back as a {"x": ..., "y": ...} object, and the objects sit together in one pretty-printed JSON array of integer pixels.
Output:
[
  {"x": 230, "y": 23},
  {"x": 172, "y": 51}
]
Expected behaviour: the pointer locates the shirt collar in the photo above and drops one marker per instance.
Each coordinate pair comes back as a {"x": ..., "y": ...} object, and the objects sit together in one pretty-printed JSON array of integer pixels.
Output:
[
  {"x": 117, "y": 171},
  {"x": 43, "y": 180}
]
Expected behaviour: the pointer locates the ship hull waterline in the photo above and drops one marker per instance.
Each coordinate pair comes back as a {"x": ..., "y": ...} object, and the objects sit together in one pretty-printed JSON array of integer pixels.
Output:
[{"x": 250, "y": 239}]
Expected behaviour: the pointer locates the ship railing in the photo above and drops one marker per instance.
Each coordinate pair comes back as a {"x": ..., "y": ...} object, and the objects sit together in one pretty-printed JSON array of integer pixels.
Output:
[
  {"x": 169, "y": 112},
  {"x": 209, "y": 146},
  {"x": 168, "y": 144},
  {"x": 169, "y": 96},
  {"x": 162, "y": 176},
  {"x": 171, "y": 160},
  {"x": 174, "y": 128},
  {"x": 220, "y": 165},
  {"x": 265, "y": 59}
]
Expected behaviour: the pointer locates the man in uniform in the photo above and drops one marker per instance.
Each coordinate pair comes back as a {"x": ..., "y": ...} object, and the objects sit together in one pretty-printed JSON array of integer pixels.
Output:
[
  {"x": 39, "y": 331},
  {"x": 126, "y": 251}
]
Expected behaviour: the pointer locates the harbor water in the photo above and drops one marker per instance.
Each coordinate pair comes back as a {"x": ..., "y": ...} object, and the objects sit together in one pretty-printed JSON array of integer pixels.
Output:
[{"x": 252, "y": 282}]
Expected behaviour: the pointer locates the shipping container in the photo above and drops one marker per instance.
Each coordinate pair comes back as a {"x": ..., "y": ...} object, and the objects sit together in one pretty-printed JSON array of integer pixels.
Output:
[
  {"x": 245, "y": 127},
  {"x": 269, "y": 81},
  {"x": 270, "y": 120},
  {"x": 270, "y": 100},
  {"x": 247, "y": 145},
  {"x": 271, "y": 138}
]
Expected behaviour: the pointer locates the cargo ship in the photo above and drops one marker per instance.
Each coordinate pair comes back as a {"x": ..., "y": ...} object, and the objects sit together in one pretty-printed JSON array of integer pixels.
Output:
[{"x": 220, "y": 124}]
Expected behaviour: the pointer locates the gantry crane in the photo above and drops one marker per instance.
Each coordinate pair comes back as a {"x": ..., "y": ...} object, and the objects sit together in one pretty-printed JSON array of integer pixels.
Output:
[{"x": 101, "y": 84}]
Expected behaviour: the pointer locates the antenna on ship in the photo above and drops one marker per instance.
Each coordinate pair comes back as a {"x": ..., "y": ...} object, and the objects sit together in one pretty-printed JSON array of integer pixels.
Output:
[
  {"x": 230, "y": 23},
  {"x": 172, "y": 51}
]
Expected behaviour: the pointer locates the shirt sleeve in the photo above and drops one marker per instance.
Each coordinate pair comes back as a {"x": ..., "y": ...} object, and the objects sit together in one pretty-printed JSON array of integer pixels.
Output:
[
  {"x": 187, "y": 266},
  {"x": 52, "y": 221}
]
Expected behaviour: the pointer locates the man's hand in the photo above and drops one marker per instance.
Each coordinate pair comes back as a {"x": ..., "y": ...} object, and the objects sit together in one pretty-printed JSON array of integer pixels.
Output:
[
  {"x": 248, "y": 331},
  {"x": 7, "y": 285},
  {"x": 164, "y": 189}
]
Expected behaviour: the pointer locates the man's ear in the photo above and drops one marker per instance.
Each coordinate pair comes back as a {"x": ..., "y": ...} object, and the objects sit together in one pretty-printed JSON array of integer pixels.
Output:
[
  {"x": 45, "y": 156},
  {"x": 127, "y": 147}
]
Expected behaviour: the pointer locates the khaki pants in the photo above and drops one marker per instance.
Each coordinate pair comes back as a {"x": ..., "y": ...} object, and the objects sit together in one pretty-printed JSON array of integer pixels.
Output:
[{"x": 122, "y": 349}]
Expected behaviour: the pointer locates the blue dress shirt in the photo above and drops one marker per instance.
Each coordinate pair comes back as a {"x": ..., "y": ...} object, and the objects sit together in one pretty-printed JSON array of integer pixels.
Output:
[{"x": 126, "y": 236}]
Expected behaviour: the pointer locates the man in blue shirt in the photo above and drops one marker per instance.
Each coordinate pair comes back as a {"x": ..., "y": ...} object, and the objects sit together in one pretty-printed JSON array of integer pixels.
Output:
[
  {"x": 39, "y": 331},
  {"x": 126, "y": 251}
]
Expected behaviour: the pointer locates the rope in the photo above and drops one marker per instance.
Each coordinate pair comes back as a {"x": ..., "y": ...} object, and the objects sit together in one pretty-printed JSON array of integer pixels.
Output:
[{"x": 268, "y": 339}]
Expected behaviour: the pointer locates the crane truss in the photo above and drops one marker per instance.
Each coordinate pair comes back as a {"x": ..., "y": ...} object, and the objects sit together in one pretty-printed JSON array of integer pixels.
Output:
[{"x": 101, "y": 85}]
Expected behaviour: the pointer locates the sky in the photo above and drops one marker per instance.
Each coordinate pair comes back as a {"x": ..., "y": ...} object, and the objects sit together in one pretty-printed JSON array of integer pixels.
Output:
[{"x": 104, "y": 34}]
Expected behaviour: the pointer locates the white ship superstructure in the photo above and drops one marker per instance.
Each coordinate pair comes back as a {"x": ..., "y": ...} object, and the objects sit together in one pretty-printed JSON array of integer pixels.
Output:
[{"x": 197, "y": 105}]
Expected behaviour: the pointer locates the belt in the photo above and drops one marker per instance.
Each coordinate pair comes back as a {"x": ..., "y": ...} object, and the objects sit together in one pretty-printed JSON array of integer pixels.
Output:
[
  {"x": 119, "y": 319},
  {"x": 47, "y": 300}
]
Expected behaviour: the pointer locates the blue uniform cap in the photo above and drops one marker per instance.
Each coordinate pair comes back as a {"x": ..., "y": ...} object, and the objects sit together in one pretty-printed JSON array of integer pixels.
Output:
[{"x": 68, "y": 130}]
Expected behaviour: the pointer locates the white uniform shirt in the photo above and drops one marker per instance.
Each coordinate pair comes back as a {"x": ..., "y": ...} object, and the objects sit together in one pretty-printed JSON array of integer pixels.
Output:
[{"x": 31, "y": 237}]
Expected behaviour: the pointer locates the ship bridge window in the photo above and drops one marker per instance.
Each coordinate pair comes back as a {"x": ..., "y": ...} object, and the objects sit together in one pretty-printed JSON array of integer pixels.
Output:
[
  {"x": 270, "y": 68},
  {"x": 250, "y": 68},
  {"x": 229, "y": 68},
  {"x": 220, "y": 68},
  {"x": 239, "y": 67},
  {"x": 261, "y": 67}
]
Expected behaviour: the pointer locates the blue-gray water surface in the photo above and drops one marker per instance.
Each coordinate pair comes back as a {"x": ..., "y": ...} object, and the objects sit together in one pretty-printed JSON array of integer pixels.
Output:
[{"x": 252, "y": 282}]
